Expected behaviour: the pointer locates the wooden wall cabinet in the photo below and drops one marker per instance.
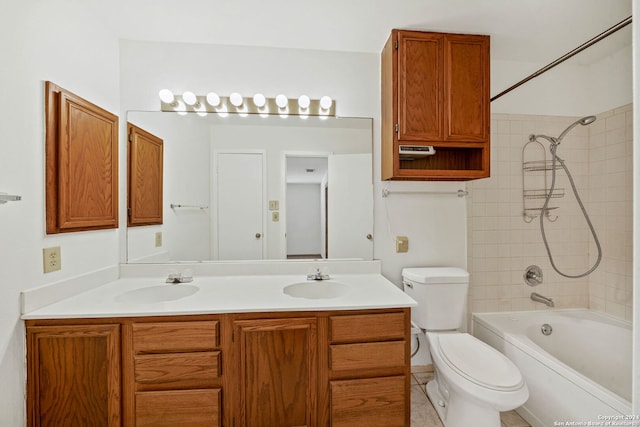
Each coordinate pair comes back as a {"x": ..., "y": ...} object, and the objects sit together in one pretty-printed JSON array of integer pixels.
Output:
[
  {"x": 314, "y": 369},
  {"x": 435, "y": 92},
  {"x": 81, "y": 163},
  {"x": 145, "y": 177}
]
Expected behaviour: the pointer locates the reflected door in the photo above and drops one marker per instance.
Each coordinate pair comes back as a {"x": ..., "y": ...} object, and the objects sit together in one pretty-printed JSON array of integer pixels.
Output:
[
  {"x": 350, "y": 184},
  {"x": 238, "y": 224}
]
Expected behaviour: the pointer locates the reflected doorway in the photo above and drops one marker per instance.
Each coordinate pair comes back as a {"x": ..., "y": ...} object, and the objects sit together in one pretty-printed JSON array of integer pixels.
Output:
[{"x": 307, "y": 189}]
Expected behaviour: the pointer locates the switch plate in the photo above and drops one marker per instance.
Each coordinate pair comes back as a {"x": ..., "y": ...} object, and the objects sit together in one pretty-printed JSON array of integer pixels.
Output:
[
  {"x": 51, "y": 260},
  {"x": 275, "y": 216},
  {"x": 158, "y": 239},
  {"x": 402, "y": 244},
  {"x": 274, "y": 205}
]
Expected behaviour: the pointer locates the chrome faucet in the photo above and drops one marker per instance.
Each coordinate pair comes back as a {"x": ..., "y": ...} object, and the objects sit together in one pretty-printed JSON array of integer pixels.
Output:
[
  {"x": 176, "y": 278},
  {"x": 318, "y": 276},
  {"x": 539, "y": 298}
]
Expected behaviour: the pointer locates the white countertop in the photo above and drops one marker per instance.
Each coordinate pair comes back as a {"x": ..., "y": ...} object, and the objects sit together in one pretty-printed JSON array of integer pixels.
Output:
[{"x": 220, "y": 294}]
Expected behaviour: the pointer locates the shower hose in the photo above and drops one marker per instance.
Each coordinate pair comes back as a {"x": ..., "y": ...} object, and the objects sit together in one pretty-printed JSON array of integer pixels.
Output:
[{"x": 555, "y": 159}]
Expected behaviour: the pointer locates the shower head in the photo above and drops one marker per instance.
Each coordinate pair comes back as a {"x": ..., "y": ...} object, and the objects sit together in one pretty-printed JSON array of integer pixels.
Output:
[{"x": 583, "y": 121}]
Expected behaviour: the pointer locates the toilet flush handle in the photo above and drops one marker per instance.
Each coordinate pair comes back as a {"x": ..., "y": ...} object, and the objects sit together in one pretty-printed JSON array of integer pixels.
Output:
[{"x": 407, "y": 284}]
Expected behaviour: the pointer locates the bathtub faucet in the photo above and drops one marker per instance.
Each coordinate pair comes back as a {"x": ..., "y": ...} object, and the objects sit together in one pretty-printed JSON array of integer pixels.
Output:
[{"x": 539, "y": 298}]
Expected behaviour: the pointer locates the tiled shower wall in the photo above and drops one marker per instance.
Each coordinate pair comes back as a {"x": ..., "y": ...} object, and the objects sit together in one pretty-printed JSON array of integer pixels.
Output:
[{"x": 503, "y": 242}]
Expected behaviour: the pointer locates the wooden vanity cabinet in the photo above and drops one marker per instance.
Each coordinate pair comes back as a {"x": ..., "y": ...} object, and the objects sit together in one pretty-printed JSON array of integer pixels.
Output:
[
  {"x": 435, "y": 92},
  {"x": 314, "y": 369}
]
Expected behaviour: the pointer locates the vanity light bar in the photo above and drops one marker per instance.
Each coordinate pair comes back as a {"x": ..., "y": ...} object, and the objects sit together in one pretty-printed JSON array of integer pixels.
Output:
[{"x": 236, "y": 103}]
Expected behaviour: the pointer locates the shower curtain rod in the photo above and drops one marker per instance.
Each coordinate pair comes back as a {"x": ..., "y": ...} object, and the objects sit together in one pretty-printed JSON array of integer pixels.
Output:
[{"x": 567, "y": 55}]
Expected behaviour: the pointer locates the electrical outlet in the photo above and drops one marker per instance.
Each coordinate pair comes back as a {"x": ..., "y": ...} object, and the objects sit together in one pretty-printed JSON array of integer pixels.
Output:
[
  {"x": 51, "y": 260},
  {"x": 275, "y": 216},
  {"x": 402, "y": 244},
  {"x": 158, "y": 239}
]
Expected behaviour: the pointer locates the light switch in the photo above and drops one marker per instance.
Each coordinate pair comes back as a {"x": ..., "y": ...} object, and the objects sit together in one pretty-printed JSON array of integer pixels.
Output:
[
  {"x": 402, "y": 244},
  {"x": 274, "y": 205},
  {"x": 275, "y": 216}
]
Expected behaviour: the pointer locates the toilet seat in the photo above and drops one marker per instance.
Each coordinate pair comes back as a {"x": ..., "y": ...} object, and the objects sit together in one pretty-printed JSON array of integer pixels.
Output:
[{"x": 477, "y": 362}]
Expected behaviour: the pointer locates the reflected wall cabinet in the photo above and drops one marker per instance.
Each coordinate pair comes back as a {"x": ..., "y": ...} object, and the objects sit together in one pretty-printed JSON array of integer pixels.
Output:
[
  {"x": 145, "y": 177},
  {"x": 81, "y": 162},
  {"x": 435, "y": 106}
]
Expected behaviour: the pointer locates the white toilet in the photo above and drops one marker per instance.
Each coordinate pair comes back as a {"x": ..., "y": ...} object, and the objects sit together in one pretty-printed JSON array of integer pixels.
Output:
[{"x": 473, "y": 382}]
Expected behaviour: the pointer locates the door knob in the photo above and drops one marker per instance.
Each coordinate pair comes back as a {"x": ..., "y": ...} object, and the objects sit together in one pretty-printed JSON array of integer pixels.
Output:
[
  {"x": 369, "y": 237},
  {"x": 258, "y": 235}
]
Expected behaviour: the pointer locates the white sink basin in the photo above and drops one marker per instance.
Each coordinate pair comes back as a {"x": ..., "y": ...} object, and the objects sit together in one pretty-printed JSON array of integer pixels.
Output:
[
  {"x": 160, "y": 293},
  {"x": 321, "y": 289}
]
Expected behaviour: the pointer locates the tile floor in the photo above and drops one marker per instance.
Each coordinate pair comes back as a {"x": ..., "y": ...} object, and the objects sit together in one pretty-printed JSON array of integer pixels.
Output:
[{"x": 424, "y": 415}]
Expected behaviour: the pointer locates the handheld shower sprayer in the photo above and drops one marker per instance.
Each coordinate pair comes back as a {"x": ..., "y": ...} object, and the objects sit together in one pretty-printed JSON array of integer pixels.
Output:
[{"x": 553, "y": 146}]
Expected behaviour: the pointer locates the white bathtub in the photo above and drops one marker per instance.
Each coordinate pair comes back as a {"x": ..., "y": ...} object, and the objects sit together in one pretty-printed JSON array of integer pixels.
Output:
[{"x": 580, "y": 372}]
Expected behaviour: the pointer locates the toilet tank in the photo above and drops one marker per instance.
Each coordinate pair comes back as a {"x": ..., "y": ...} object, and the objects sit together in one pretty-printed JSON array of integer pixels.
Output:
[{"x": 441, "y": 294}]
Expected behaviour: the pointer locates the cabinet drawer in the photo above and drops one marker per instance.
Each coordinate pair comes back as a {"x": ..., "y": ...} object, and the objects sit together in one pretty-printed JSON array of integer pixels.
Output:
[
  {"x": 188, "y": 370},
  {"x": 193, "y": 408},
  {"x": 367, "y": 327},
  {"x": 369, "y": 402},
  {"x": 367, "y": 355},
  {"x": 175, "y": 336}
]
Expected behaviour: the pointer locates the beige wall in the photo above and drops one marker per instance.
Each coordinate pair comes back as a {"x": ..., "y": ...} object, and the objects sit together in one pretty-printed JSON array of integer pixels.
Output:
[{"x": 502, "y": 244}]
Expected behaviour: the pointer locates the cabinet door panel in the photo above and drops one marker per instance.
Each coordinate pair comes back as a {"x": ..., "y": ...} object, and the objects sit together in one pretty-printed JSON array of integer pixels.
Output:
[
  {"x": 145, "y": 177},
  {"x": 467, "y": 87},
  {"x": 278, "y": 372},
  {"x": 74, "y": 375},
  {"x": 193, "y": 408},
  {"x": 420, "y": 71},
  {"x": 368, "y": 402}
]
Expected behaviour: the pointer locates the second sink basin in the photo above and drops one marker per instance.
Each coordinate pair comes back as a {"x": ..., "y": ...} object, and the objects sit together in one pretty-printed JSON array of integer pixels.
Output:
[
  {"x": 160, "y": 293},
  {"x": 312, "y": 289}
]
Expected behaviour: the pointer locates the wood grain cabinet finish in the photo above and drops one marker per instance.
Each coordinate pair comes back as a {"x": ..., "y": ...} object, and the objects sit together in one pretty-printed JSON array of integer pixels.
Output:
[
  {"x": 81, "y": 163},
  {"x": 314, "y": 369},
  {"x": 73, "y": 375},
  {"x": 277, "y": 367},
  {"x": 435, "y": 92},
  {"x": 145, "y": 177}
]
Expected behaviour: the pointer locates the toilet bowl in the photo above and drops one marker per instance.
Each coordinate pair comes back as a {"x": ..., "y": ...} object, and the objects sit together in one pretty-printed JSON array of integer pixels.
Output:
[{"x": 473, "y": 382}]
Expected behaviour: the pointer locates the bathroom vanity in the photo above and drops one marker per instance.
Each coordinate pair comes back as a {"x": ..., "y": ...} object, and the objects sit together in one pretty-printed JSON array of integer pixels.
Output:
[{"x": 279, "y": 361}]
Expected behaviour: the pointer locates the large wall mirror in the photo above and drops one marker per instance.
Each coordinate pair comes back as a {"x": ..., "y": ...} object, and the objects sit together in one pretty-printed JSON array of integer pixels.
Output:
[{"x": 258, "y": 187}]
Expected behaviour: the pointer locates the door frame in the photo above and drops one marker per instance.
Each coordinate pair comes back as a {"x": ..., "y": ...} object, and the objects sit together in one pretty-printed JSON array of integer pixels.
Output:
[{"x": 213, "y": 237}]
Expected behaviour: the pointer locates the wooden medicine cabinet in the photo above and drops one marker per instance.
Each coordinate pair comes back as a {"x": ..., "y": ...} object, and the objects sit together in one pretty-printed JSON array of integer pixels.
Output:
[
  {"x": 81, "y": 163},
  {"x": 435, "y": 106},
  {"x": 145, "y": 177}
]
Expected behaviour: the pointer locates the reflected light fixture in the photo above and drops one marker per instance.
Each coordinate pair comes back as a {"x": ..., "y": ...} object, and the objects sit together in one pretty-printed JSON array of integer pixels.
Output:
[
  {"x": 166, "y": 96},
  {"x": 189, "y": 98},
  {"x": 236, "y": 99},
  {"x": 213, "y": 99}
]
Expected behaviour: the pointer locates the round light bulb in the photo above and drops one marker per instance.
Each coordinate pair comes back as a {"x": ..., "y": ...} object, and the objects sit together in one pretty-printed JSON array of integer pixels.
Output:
[
  {"x": 166, "y": 96},
  {"x": 325, "y": 102},
  {"x": 259, "y": 100},
  {"x": 189, "y": 98},
  {"x": 213, "y": 99},
  {"x": 304, "y": 102},
  {"x": 282, "y": 101},
  {"x": 236, "y": 99}
]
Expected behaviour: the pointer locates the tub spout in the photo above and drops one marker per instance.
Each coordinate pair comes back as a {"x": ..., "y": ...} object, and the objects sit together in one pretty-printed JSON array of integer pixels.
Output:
[{"x": 539, "y": 298}]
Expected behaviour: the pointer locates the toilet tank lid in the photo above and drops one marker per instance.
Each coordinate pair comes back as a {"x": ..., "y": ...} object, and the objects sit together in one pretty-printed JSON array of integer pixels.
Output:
[{"x": 436, "y": 275}]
